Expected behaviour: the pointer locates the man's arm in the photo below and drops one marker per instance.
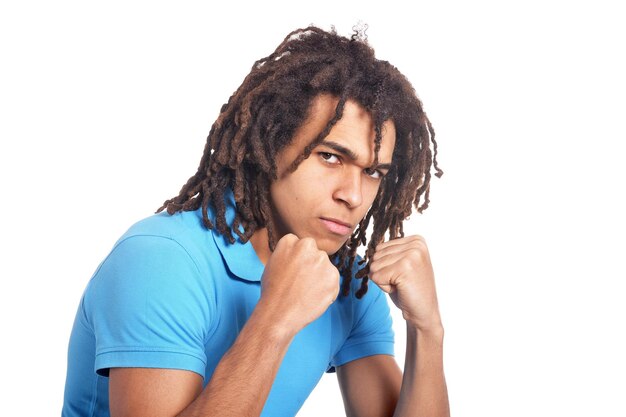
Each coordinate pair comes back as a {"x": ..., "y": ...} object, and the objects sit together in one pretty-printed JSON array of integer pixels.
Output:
[
  {"x": 374, "y": 386},
  {"x": 239, "y": 386},
  {"x": 242, "y": 380},
  {"x": 424, "y": 391},
  {"x": 370, "y": 386}
]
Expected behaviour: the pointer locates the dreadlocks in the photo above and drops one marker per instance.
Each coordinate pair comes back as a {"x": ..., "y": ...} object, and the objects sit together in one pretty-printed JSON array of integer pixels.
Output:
[{"x": 260, "y": 119}]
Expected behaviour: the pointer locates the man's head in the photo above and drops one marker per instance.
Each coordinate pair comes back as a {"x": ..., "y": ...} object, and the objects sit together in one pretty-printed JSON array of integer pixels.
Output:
[
  {"x": 302, "y": 144},
  {"x": 329, "y": 193}
]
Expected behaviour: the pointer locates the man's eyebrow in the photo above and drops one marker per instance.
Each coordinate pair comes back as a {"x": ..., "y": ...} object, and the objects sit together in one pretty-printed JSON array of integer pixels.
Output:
[
  {"x": 349, "y": 153},
  {"x": 341, "y": 149}
]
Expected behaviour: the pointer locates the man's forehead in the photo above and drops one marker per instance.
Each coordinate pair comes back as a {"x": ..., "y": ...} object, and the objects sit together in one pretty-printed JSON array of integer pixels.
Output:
[{"x": 354, "y": 130}]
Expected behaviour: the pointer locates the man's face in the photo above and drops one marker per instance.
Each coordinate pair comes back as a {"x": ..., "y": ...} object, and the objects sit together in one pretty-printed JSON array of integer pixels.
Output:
[{"x": 330, "y": 192}]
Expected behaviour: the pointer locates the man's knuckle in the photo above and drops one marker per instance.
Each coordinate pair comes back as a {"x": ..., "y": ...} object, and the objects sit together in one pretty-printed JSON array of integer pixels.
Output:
[
  {"x": 418, "y": 255},
  {"x": 307, "y": 242},
  {"x": 287, "y": 240}
]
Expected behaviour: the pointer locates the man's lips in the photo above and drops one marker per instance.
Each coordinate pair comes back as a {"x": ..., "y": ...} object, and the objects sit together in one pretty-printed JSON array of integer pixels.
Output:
[{"x": 337, "y": 226}]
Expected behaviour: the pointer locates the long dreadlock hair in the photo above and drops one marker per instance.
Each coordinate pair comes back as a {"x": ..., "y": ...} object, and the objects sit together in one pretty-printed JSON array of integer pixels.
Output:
[{"x": 260, "y": 119}]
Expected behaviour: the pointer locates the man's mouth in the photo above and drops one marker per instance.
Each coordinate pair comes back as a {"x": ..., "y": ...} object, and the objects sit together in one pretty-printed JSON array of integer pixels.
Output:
[{"x": 336, "y": 226}]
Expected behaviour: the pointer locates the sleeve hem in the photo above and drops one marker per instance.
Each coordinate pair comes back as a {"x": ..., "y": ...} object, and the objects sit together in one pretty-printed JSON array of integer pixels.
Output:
[
  {"x": 136, "y": 358},
  {"x": 361, "y": 350}
]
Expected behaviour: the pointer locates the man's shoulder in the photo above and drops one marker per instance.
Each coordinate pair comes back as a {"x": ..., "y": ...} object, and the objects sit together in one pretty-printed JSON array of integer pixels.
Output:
[
  {"x": 184, "y": 229},
  {"x": 181, "y": 225},
  {"x": 172, "y": 249}
]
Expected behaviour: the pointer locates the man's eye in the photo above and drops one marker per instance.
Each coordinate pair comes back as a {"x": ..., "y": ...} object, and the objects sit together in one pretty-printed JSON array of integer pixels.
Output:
[
  {"x": 374, "y": 173},
  {"x": 331, "y": 158}
]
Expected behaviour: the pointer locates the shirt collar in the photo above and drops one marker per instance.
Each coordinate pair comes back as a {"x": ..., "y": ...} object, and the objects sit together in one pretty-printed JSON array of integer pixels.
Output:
[{"x": 241, "y": 258}]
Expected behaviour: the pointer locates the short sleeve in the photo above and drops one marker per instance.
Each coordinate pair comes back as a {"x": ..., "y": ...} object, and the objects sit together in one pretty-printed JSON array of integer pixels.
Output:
[
  {"x": 150, "y": 307},
  {"x": 372, "y": 332}
]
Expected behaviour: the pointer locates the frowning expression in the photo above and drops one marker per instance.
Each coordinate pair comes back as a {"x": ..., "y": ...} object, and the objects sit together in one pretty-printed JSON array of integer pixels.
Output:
[{"x": 330, "y": 192}]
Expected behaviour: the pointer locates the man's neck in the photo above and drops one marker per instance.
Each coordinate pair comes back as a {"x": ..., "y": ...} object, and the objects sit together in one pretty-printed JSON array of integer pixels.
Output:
[{"x": 260, "y": 243}]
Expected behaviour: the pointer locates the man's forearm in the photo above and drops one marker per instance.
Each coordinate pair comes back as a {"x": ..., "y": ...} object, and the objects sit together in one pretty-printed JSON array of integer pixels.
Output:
[
  {"x": 243, "y": 378},
  {"x": 424, "y": 392}
]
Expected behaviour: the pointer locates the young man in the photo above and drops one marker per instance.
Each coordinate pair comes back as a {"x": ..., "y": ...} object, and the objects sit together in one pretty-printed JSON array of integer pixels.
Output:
[{"x": 249, "y": 288}]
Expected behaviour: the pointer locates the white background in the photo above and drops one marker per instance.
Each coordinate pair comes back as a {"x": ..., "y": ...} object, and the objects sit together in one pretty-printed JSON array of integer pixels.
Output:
[{"x": 105, "y": 107}]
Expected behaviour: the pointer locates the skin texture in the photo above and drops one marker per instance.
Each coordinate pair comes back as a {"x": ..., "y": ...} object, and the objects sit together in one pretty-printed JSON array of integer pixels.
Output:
[{"x": 335, "y": 184}]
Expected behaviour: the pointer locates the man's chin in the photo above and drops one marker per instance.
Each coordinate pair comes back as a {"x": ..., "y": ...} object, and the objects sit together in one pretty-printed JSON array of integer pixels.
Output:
[
  {"x": 332, "y": 248},
  {"x": 330, "y": 245}
]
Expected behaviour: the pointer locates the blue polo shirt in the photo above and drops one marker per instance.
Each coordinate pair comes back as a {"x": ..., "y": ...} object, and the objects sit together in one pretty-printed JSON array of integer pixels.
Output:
[{"x": 172, "y": 294}]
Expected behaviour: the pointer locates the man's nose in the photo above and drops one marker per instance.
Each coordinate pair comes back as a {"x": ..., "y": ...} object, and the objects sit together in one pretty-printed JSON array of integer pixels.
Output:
[{"x": 349, "y": 188}]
